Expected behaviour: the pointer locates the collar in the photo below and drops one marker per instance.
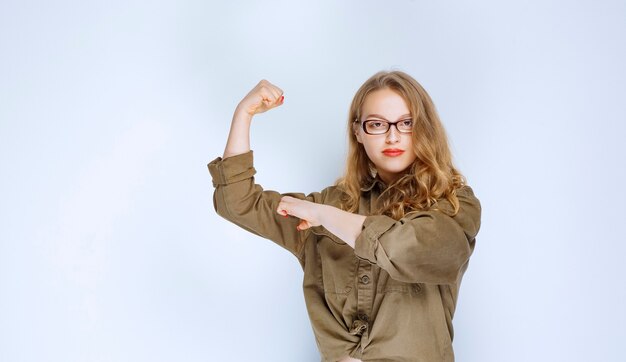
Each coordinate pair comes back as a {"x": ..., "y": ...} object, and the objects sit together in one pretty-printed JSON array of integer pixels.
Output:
[{"x": 375, "y": 181}]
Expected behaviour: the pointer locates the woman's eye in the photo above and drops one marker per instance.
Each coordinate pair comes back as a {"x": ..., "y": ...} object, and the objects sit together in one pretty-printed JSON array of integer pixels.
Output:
[
  {"x": 376, "y": 124},
  {"x": 407, "y": 122}
]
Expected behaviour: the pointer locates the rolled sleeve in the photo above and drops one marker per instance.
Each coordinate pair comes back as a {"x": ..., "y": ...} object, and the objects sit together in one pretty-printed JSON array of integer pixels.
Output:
[
  {"x": 367, "y": 242},
  {"x": 228, "y": 170}
]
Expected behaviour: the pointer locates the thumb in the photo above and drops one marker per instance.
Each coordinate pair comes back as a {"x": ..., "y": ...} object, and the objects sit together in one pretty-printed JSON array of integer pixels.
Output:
[{"x": 303, "y": 225}]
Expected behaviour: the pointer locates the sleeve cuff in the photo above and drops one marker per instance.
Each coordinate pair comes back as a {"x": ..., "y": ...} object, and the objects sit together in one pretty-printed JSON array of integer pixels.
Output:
[
  {"x": 366, "y": 243},
  {"x": 228, "y": 170}
]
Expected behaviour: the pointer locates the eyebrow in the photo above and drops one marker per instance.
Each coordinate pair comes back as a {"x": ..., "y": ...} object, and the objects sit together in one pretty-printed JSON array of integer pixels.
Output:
[{"x": 383, "y": 118}]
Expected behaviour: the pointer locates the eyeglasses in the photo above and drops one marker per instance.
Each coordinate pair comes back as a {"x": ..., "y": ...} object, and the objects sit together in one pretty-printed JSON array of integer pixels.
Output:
[{"x": 376, "y": 127}]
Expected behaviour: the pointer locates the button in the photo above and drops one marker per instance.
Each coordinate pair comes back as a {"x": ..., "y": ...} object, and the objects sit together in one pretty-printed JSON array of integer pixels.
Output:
[
  {"x": 363, "y": 317},
  {"x": 358, "y": 327},
  {"x": 365, "y": 279}
]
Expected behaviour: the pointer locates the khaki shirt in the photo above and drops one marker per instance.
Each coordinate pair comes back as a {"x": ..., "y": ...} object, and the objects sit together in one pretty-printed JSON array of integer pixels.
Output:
[{"x": 393, "y": 296}]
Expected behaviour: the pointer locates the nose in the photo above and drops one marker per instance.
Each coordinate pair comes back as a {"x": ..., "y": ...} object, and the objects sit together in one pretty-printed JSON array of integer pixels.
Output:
[{"x": 393, "y": 135}]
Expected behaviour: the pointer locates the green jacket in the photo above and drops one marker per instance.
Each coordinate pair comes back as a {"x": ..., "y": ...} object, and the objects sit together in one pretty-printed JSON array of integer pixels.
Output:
[{"x": 393, "y": 296}]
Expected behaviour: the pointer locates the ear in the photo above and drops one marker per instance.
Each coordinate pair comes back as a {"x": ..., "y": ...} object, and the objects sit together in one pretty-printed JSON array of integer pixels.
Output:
[{"x": 357, "y": 132}]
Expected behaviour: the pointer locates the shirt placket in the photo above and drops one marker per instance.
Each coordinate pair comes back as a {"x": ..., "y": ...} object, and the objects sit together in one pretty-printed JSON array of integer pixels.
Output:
[
  {"x": 365, "y": 291},
  {"x": 364, "y": 301}
]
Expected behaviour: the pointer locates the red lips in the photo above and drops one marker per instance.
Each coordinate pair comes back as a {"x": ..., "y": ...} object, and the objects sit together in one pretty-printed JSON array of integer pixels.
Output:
[{"x": 393, "y": 152}]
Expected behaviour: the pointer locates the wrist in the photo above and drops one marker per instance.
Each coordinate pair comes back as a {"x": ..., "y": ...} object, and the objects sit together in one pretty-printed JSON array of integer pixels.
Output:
[
  {"x": 324, "y": 213},
  {"x": 241, "y": 115}
]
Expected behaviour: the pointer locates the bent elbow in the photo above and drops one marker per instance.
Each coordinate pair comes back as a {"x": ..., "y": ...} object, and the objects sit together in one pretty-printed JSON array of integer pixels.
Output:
[
  {"x": 220, "y": 205},
  {"x": 454, "y": 272}
]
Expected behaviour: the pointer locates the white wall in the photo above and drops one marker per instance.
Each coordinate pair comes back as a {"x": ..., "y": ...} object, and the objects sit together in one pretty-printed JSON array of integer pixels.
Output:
[{"x": 110, "y": 110}]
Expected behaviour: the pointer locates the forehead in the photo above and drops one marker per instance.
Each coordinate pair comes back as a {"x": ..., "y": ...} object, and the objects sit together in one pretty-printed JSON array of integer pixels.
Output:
[{"x": 386, "y": 103}]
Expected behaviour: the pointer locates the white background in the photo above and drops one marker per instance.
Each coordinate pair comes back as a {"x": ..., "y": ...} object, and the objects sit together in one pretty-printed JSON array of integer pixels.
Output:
[{"x": 110, "y": 110}]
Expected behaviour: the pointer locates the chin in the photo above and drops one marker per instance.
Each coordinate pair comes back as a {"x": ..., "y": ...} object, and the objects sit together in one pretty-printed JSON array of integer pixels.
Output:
[{"x": 396, "y": 169}]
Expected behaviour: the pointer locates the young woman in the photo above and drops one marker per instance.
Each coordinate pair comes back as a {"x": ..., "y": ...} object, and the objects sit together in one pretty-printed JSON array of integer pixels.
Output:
[{"x": 384, "y": 250}]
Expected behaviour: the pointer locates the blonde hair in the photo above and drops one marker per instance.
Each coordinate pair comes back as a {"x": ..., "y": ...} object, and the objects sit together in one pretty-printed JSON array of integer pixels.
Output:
[{"x": 431, "y": 177}]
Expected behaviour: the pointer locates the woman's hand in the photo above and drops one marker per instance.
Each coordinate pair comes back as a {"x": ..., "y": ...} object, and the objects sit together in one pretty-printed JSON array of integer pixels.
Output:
[
  {"x": 308, "y": 212},
  {"x": 263, "y": 97}
]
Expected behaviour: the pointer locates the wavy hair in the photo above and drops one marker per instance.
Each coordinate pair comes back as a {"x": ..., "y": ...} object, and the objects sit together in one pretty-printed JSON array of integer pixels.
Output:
[{"x": 431, "y": 177}]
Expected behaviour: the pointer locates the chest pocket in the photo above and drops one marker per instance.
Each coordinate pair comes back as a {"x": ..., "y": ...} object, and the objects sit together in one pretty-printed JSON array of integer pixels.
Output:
[
  {"x": 338, "y": 266},
  {"x": 387, "y": 284}
]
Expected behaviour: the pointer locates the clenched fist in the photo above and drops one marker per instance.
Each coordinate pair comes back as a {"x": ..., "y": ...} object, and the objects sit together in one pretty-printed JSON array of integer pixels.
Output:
[
  {"x": 263, "y": 97},
  {"x": 308, "y": 212}
]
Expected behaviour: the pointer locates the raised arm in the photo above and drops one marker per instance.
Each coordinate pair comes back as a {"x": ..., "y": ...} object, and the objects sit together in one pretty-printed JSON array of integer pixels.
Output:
[
  {"x": 237, "y": 197},
  {"x": 263, "y": 97}
]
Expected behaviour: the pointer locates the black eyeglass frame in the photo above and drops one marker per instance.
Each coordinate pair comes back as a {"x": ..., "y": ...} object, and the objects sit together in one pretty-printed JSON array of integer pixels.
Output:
[{"x": 389, "y": 124}]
